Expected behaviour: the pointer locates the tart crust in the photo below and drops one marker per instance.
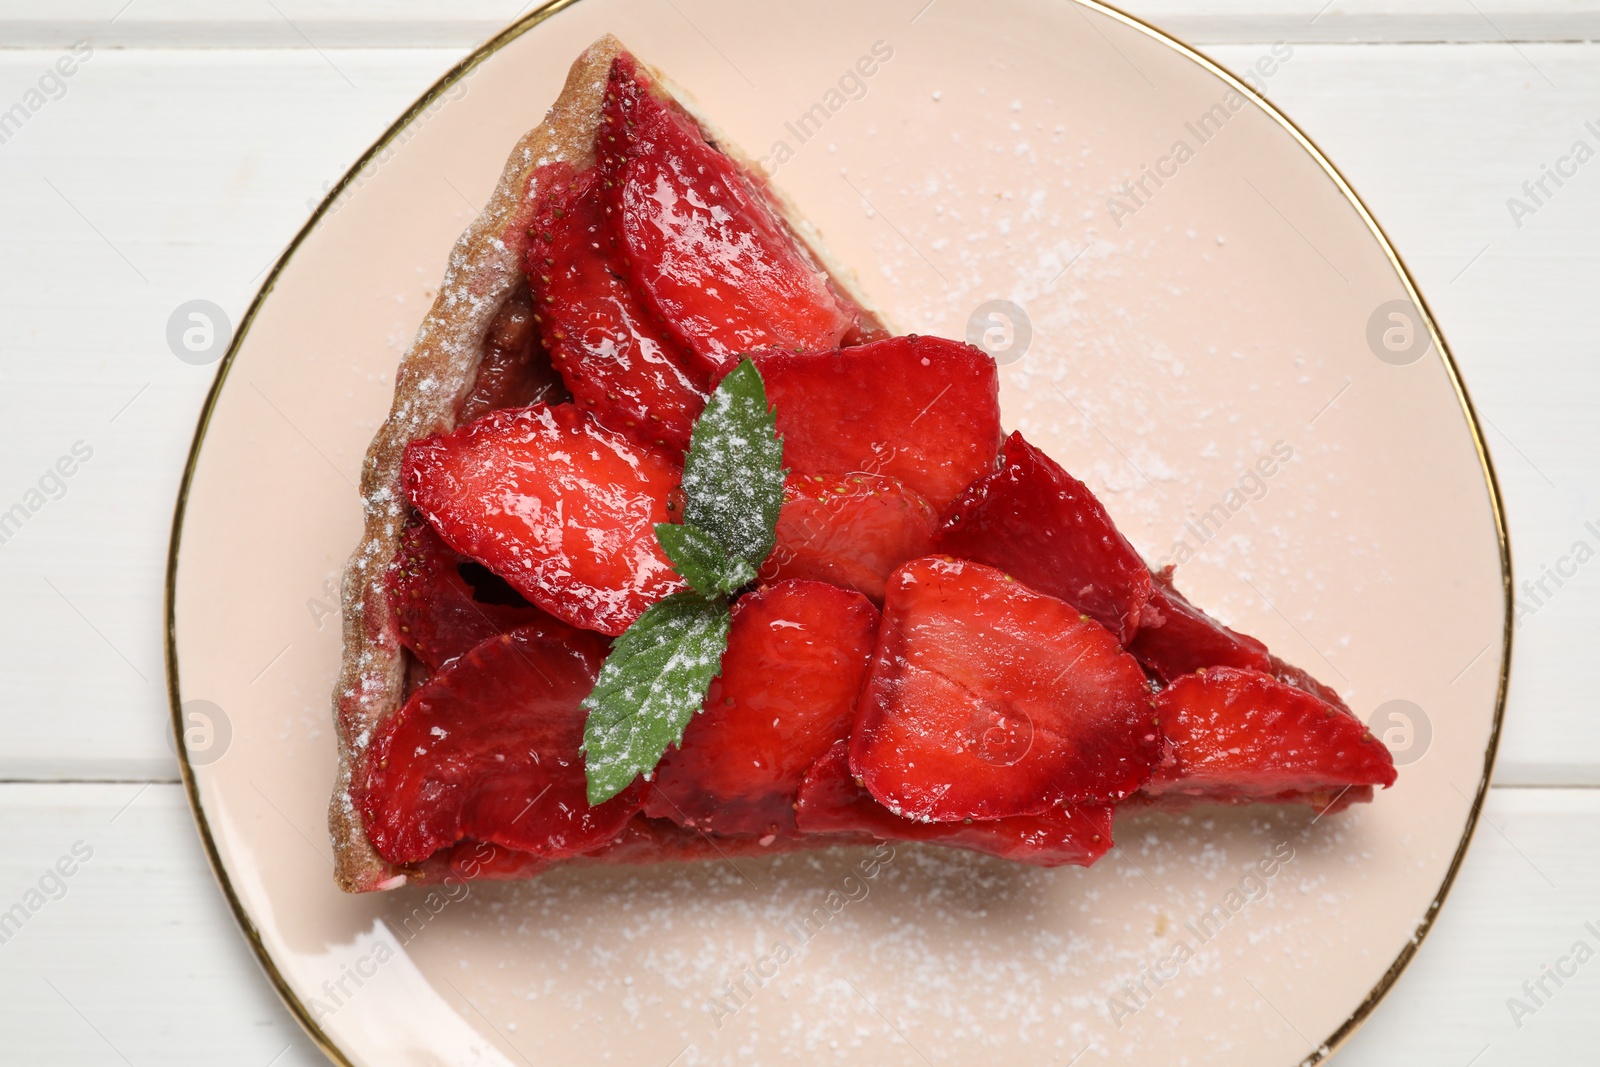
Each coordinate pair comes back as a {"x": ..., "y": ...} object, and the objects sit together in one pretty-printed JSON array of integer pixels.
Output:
[{"x": 484, "y": 270}]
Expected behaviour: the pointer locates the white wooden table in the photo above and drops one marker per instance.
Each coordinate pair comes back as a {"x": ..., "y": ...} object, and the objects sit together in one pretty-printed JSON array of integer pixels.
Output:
[{"x": 189, "y": 143}]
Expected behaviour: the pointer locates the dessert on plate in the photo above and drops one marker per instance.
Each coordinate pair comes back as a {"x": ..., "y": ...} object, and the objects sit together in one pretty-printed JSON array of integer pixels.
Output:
[{"x": 674, "y": 550}]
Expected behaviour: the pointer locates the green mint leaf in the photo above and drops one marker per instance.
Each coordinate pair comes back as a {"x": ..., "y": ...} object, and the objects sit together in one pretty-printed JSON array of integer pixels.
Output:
[
  {"x": 700, "y": 559},
  {"x": 655, "y": 678},
  {"x": 658, "y": 672},
  {"x": 733, "y": 474}
]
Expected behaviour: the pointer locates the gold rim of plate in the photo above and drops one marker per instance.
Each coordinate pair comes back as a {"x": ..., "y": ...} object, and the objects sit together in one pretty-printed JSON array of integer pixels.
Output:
[{"x": 291, "y": 999}]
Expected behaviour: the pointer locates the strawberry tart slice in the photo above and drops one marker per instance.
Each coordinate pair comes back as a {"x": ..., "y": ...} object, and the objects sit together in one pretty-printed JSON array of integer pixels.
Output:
[{"x": 674, "y": 552}]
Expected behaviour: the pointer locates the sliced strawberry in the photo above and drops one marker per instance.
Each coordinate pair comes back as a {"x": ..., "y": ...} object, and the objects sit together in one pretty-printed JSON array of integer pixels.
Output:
[
  {"x": 831, "y": 801},
  {"x": 1289, "y": 674},
  {"x": 488, "y": 749},
  {"x": 988, "y": 700},
  {"x": 923, "y": 410},
  {"x": 702, "y": 243},
  {"x": 851, "y": 531},
  {"x": 561, "y": 508},
  {"x": 1041, "y": 525},
  {"x": 1176, "y": 638},
  {"x": 436, "y": 609},
  {"x": 617, "y": 361},
  {"x": 1243, "y": 735},
  {"x": 797, "y": 654},
  {"x": 515, "y": 370}
]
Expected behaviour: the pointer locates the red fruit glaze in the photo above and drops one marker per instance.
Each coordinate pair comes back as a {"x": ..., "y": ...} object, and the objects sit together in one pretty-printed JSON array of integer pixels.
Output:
[
  {"x": 1289, "y": 674},
  {"x": 797, "y": 654},
  {"x": 851, "y": 531},
  {"x": 987, "y": 700},
  {"x": 618, "y": 363},
  {"x": 514, "y": 370},
  {"x": 831, "y": 801},
  {"x": 1041, "y": 525},
  {"x": 481, "y": 860},
  {"x": 645, "y": 840},
  {"x": 1176, "y": 638},
  {"x": 1243, "y": 735},
  {"x": 923, "y": 410},
  {"x": 562, "y": 509},
  {"x": 702, "y": 244},
  {"x": 438, "y": 617},
  {"x": 488, "y": 750}
]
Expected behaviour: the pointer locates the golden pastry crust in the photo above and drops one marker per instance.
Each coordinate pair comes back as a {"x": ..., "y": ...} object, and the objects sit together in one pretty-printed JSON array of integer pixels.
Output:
[{"x": 484, "y": 270}]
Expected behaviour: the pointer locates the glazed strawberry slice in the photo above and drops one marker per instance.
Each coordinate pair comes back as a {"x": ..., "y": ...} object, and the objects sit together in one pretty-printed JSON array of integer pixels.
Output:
[
  {"x": 616, "y": 361},
  {"x": 1241, "y": 735},
  {"x": 438, "y": 612},
  {"x": 922, "y": 410},
  {"x": 488, "y": 750},
  {"x": 561, "y": 508},
  {"x": 1041, "y": 525},
  {"x": 1176, "y": 638},
  {"x": 702, "y": 243},
  {"x": 988, "y": 699},
  {"x": 831, "y": 801},
  {"x": 797, "y": 654},
  {"x": 851, "y": 531},
  {"x": 515, "y": 370},
  {"x": 1289, "y": 674}
]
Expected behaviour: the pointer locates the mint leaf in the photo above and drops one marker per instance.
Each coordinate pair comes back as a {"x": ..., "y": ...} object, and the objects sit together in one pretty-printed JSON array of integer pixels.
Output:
[
  {"x": 733, "y": 474},
  {"x": 653, "y": 681},
  {"x": 700, "y": 559},
  {"x": 658, "y": 672}
]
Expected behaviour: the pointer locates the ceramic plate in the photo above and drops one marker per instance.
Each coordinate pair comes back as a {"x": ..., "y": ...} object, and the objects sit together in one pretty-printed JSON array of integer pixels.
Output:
[{"x": 1193, "y": 313}]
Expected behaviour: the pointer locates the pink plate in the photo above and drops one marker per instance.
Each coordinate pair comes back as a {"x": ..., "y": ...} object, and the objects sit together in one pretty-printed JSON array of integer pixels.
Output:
[{"x": 1193, "y": 313}]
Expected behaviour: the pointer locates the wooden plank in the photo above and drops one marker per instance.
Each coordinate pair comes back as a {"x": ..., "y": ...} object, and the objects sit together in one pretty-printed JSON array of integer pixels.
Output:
[
  {"x": 134, "y": 957},
  {"x": 1525, "y": 897},
  {"x": 1370, "y": 21},
  {"x": 162, "y": 177},
  {"x": 337, "y": 24},
  {"x": 158, "y": 178},
  {"x": 141, "y": 957},
  {"x": 1437, "y": 140}
]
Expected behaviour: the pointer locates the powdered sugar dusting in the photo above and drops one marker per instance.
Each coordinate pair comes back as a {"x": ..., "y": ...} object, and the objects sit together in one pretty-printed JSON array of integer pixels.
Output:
[
  {"x": 963, "y": 955},
  {"x": 1161, "y": 368}
]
